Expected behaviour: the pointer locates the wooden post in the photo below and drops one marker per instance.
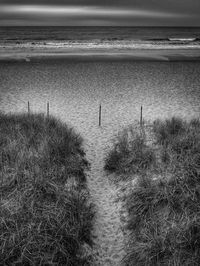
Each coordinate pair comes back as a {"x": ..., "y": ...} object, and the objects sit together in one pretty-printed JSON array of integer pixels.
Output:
[
  {"x": 100, "y": 115},
  {"x": 48, "y": 109},
  {"x": 28, "y": 107},
  {"x": 141, "y": 122}
]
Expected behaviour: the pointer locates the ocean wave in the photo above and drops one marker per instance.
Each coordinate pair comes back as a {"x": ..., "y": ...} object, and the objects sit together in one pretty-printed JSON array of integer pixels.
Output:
[{"x": 172, "y": 44}]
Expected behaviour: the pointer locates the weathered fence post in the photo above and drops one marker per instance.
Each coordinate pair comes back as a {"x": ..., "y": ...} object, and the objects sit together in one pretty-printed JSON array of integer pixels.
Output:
[
  {"x": 100, "y": 115},
  {"x": 48, "y": 109},
  {"x": 141, "y": 122},
  {"x": 28, "y": 107}
]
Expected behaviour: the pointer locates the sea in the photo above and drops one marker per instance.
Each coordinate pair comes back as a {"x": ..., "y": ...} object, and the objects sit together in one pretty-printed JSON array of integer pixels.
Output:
[{"x": 96, "y": 33}]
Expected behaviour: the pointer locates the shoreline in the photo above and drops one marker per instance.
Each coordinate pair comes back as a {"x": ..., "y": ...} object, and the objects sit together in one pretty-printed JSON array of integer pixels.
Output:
[
  {"x": 95, "y": 50},
  {"x": 70, "y": 54}
]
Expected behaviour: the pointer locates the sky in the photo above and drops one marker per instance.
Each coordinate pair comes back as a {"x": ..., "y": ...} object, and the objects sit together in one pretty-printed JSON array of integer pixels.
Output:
[{"x": 99, "y": 13}]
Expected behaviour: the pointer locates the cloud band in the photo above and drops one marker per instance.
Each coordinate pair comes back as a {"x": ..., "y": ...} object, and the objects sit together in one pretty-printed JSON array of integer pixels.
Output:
[{"x": 52, "y": 10}]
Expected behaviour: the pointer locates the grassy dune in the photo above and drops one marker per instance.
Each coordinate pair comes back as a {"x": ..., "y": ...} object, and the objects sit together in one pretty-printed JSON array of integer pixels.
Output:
[
  {"x": 164, "y": 206},
  {"x": 46, "y": 216},
  {"x": 130, "y": 154}
]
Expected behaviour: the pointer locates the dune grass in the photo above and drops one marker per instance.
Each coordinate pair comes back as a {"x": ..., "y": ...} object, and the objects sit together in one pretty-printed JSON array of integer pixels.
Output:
[
  {"x": 181, "y": 146},
  {"x": 164, "y": 212},
  {"x": 166, "y": 130},
  {"x": 46, "y": 214},
  {"x": 130, "y": 154}
]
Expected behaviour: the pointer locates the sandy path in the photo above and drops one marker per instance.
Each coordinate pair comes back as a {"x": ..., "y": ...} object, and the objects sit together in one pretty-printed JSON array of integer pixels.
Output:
[{"x": 109, "y": 241}]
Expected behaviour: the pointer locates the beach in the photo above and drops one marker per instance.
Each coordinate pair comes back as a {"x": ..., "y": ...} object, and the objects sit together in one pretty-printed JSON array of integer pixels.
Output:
[
  {"x": 74, "y": 90},
  {"x": 75, "y": 76}
]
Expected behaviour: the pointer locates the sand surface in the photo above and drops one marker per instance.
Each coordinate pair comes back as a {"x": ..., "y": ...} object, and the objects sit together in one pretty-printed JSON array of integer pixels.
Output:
[{"x": 109, "y": 241}]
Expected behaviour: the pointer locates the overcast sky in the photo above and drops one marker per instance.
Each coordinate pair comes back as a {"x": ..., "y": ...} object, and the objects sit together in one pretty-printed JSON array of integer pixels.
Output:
[{"x": 100, "y": 12}]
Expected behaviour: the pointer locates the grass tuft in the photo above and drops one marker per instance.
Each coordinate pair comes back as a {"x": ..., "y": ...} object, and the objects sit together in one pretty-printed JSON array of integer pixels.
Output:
[
  {"x": 168, "y": 129},
  {"x": 130, "y": 154}
]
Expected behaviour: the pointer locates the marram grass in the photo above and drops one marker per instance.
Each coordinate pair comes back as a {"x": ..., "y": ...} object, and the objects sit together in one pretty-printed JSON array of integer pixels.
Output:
[
  {"x": 46, "y": 215},
  {"x": 164, "y": 208},
  {"x": 130, "y": 154}
]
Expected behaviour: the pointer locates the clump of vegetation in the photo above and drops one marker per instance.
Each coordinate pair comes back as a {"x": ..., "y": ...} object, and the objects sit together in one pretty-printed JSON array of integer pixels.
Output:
[
  {"x": 46, "y": 215},
  {"x": 130, "y": 154},
  {"x": 163, "y": 219},
  {"x": 164, "y": 213},
  {"x": 166, "y": 130},
  {"x": 182, "y": 145}
]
